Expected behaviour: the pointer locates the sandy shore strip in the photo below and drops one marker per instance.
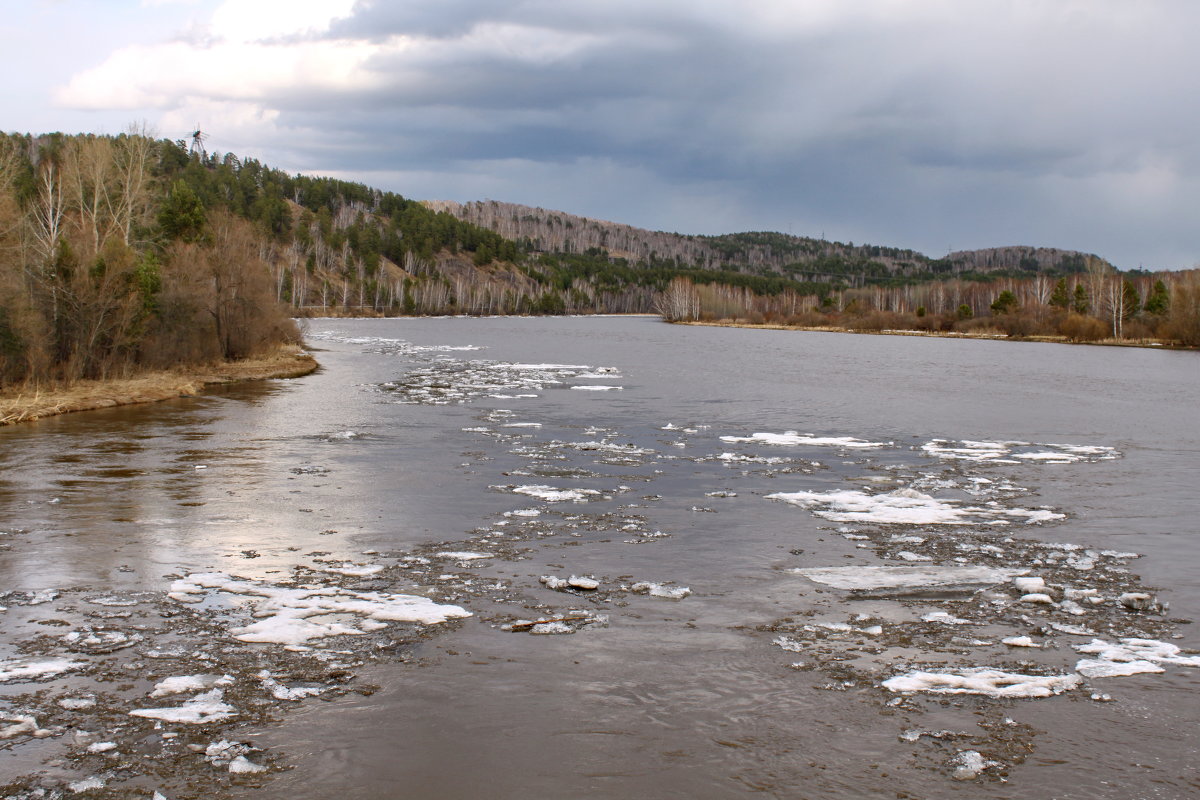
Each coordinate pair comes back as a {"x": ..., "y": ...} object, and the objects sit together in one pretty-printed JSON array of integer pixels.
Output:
[{"x": 29, "y": 404}]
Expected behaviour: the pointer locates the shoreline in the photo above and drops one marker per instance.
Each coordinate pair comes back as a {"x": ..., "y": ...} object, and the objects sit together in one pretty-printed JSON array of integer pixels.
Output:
[
  {"x": 28, "y": 404},
  {"x": 1045, "y": 339}
]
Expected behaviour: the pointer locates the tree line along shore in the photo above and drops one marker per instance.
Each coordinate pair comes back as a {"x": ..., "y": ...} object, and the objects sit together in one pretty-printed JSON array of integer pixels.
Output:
[{"x": 126, "y": 257}]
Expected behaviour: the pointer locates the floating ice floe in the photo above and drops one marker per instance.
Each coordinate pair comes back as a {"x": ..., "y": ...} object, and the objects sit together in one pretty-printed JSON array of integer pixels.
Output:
[
  {"x": 900, "y": 580},
  {"x": 463, "y": 555},
  {"x": 597, "y": 388},
  {"x": 944, "y": 618},
  {"x": 1131, "y": 657},
  {"x": 207, "y": 707},
  {"x": 1017, "y": 452},
  {"x": 290, "y": 616},
  {"x": 990, "y": 682},
  {"x": 554, "y": 495},
  {"x": 905, "y": 507},
  {"x": 794, "y": 438},
  {"x": 36, "y": 670}
]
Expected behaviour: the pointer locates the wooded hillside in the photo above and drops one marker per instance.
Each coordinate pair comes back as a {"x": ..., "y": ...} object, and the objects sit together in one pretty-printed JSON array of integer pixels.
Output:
[
  {"x": 759, "y": 253},
  {"x": 124, "y": 253}
]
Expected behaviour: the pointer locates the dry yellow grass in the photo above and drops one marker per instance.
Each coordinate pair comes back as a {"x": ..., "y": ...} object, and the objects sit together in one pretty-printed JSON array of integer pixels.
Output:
[
  {"x": 32, "y": 403},
  {"x": 988, "y": 333}
]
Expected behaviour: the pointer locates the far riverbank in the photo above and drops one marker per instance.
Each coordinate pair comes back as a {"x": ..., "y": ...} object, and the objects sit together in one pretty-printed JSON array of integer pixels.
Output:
[
  {"x": 1155, "y": 343},
  {"x": 30, "y": 404}
]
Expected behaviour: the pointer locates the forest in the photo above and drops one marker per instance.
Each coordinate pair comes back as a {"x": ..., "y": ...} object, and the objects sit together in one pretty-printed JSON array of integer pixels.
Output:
[{"x": 124, "y": 253}]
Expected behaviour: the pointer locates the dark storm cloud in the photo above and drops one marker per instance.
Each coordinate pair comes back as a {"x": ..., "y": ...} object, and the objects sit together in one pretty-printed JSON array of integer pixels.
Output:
[{"x": 924, "y": 124}]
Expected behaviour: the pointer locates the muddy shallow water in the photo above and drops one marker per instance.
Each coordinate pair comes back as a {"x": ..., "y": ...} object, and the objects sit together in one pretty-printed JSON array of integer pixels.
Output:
[{"x": 292, "y": 547}]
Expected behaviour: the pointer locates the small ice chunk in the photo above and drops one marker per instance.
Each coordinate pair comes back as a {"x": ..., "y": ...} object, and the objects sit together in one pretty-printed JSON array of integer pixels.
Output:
[
  {"x": 462, "y": 555},
  {"x": 969, "y": 764},
  {"x": 1037, "y": 598},
  {"x": 523, "y": 512},
  {"x": 352, "y": 569},
  {"x": 905, "y": 555},
  {"x": 189, "y": 683},
  {"x": 1138, "y": 601},
  {"x": 1030, "y": 584},
  {"x": 944, "y": 618},
  {"x": 659, "y": 590},
  {"x": 785, "y": 643},
  {"x": 586, "y": 584},
  {"x": 101, "y": 747},
  {"x": 551, "y": 628},
  {"x": 77, "y": 703},
  {"x": 1100, "y": 668},
  {"x": 243, "y": 766},
  {"x": 86, "y": 785},
  {"x": 1019, "y": 641},
  {"x": 281, "y": 692}
]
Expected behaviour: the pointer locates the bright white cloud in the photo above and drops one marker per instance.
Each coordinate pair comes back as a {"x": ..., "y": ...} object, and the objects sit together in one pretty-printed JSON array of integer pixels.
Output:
[{"x": 262, "y": 20}]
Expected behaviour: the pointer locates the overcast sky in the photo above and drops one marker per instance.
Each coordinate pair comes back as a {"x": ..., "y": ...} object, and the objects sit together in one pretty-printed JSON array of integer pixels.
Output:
[{"x": 931, "y": 124}]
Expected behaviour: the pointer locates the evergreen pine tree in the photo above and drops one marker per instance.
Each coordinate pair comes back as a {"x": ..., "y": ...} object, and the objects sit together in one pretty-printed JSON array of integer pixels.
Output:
[
  {"x": 1158, "y": 302},
  {"x": 1079, "y": 303},
  {"x": 1059, "y": 298}
]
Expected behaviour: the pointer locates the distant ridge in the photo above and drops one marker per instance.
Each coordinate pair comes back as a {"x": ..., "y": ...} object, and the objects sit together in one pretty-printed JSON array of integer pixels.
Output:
[{"x": 761, "y": 253}]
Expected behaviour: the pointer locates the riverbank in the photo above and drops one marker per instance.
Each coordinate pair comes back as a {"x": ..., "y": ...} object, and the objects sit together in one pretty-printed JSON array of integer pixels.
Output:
[
  {"x": 1155, "y": 343},
  {"x": 149, "y": 387}
]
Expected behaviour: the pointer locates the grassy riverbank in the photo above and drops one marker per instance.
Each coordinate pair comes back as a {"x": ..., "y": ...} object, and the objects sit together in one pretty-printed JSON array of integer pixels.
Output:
[
  {"x": 976, "y": 334},
  {"x": 30, "y": 403}
]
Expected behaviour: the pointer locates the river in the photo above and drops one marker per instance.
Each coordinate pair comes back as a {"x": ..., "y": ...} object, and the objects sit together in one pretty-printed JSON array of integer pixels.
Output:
[{"x": 336, "y": 564}]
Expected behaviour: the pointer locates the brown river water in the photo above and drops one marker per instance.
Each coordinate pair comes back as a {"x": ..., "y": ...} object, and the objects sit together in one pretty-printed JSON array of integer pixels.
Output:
[{"x": 335, "y": 564}]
